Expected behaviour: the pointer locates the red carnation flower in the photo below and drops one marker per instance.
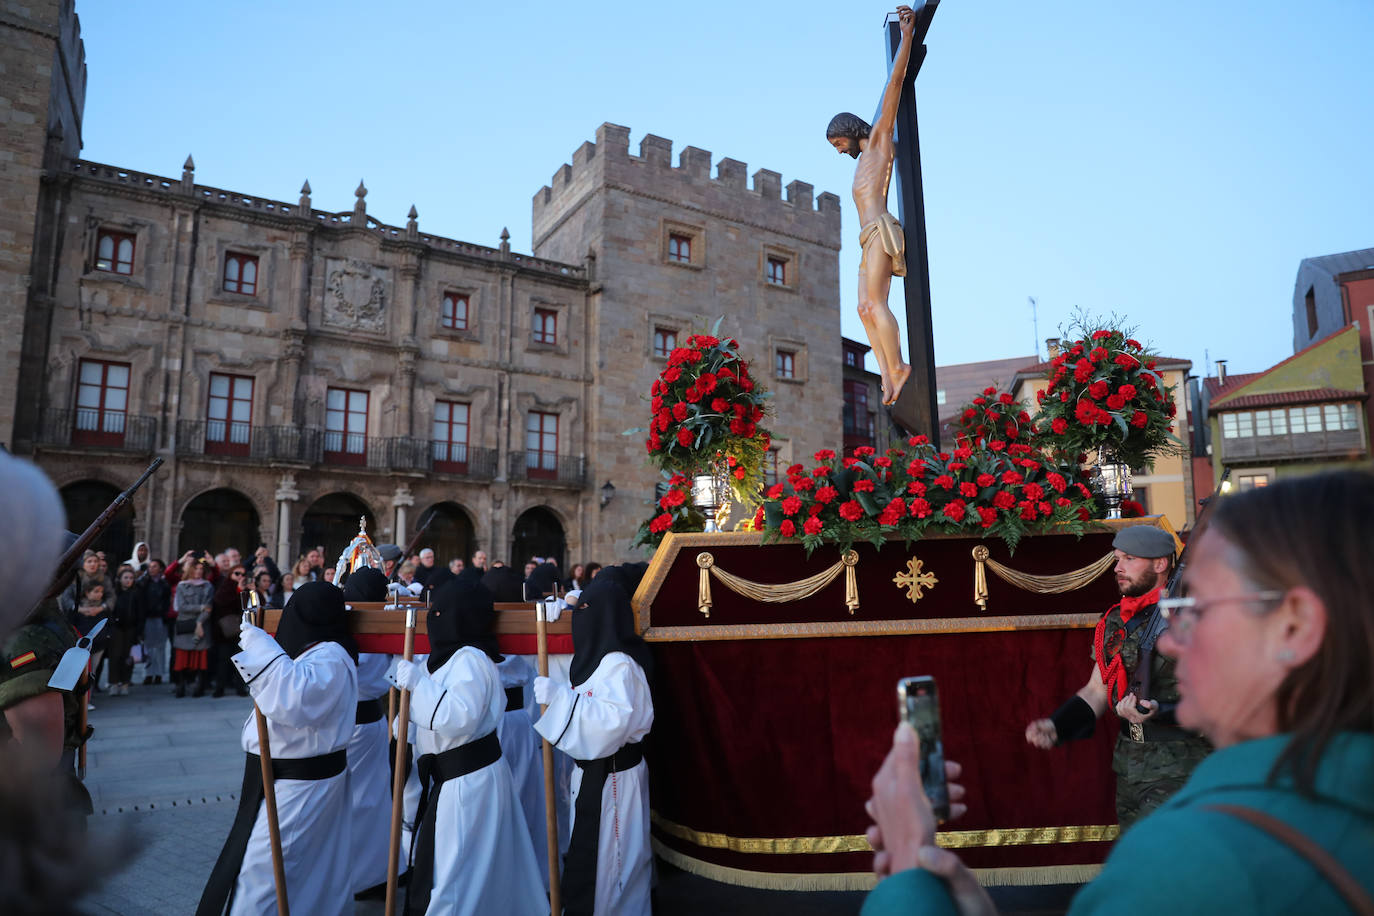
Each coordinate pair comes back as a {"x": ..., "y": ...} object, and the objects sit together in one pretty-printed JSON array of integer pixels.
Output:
[
  {"x": 851, "y": 511},
  {"x": 989, "y": 516},
  {"x": 1056, "y": 480},
  {"x": 1098, "y": 354},
  {"x": 864, "y": 485},
  {"x": 945, "y": 482},
  {"x": 1003, "y": 500},
  {"x": 918, "y": 440},
  {"x": 1126, "y": 391},
  {"x": 679, "y": 411},
  {"x": 674, "y": 497},
  {"x": 1101, "y": 334},
  {"x": 693, "y": 394},
  {"x": 825, "y": 454},
  {"x": 812, "y": 525},
  {"x": 1033, "y": 491},
  {"x": 1011, "y": 477},
  {"x": 803, "y": 484},
  {"x": 706, "y": 382},
  {"x": 787, "y": 529},
  {"x": 986, "y": 480},
  {"x": 776, "y": 491},
  {"x": 955, "y": 510},
  {"x": 791, "y": 505},
  {"x": 1139, "y": 419},
  {"x": 672, "y": 374},
  {"x": 1082, "y": 371},
  {"x": 1006, "y": 398},
  {"x": 968, "y": 489},
  {"x": 758, "y": 519},
  {"x": 1116, "y": 402},
  {"x": 1059, "y": 425},
  {"x": 1127, "y": 361},
  {"x": 685, "y": 437},
  {"x": 661, "y": 523},
  {"x": 1063, "y": 502},
  {"x": 919, "y": 508},
  {"x": 1099, "y": 390},
  {"x": 720, "y": 405},
  {"x": 739, "y": 473},
  {"x": 882, "y": 461},
  {"x": 825, "y": 495}
]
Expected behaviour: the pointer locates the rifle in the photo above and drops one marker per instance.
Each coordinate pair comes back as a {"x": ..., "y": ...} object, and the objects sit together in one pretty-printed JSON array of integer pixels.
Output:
[
  {"x": 414, "y": 542},
  {"x": 67, "y": 563},
  {"x": 1156, "y": 625}
]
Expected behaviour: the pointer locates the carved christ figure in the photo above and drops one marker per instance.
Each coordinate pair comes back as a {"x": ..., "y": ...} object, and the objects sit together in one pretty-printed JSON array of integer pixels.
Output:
[{"x": 880, "y": 234}]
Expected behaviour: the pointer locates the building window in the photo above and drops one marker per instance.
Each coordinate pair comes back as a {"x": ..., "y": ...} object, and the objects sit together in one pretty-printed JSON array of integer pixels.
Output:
[
  {"x": 679, "y": 248},
  {"x": 450, "y": 437},
  {"x": 545, "y": 326},
  {"x": 770, "y": 467},
  {"x": 940, "y": 397},
  {"x": 1311, "y": 301},
  {"x": 1239, "y": 425},
  {"x": 1251, "y": 481},
  {"x": 114, "y": 252},
  {"x": 454, "y": 313},
  {"x": 345, "y": 426},
  {"x": 229, "y": 414},
  {"x": 665, "y": 341},
  {"x": 1348, "y": 417},
  {"x": 1141, "y": 495},
  {"x": 541, "y": 445},
  {"x": 1271, "y": 422},
  {"x": 785, "y": 364},
  {"x": 241, "y": 274},
  {"x": 850, "y": 358},
  {"x": 775, "y": 272},
  {"x": 102, "y": 403},
  {"x": 858, "y": 420}
]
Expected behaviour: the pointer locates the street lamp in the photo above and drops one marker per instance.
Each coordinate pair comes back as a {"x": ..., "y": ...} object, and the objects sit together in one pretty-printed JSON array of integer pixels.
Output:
[{"x": 607, "y": 493}]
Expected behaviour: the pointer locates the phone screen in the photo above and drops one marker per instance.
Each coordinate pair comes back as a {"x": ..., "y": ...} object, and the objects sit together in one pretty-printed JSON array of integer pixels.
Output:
[{"x": 919, "y": 705}]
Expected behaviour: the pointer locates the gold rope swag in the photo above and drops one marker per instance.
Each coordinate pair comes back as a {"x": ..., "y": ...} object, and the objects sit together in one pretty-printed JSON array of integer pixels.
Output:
[
  {"x": 1042, "y": 585},
  {"x": 781, "y": 592}
]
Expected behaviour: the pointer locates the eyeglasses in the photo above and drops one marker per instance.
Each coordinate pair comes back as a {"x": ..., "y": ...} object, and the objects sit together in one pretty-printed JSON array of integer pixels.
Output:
[
  {"x": 237, "y": 575},
  {"x": 1183, "y": 613}
]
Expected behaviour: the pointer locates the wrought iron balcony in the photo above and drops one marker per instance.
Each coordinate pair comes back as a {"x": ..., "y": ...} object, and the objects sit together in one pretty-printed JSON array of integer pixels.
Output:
[
  {"x": 548, "y": 468},
  {"x": 255, "y": 443},
  {"x": 94, "y": 428}
]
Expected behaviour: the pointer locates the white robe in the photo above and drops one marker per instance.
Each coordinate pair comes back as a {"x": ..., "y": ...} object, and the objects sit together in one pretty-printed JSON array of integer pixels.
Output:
[
  {"x": 483, "y": 860},
  {"x": 613, "y": 708},
  {"x": 369, "y": 774},
  {"x": 310, "y": 703},
  {"x": 520, "y": 747}
]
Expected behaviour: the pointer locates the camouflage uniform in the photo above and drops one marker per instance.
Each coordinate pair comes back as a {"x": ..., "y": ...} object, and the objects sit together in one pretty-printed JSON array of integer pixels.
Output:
[
  {"x": 1151, "y": 761},
  {"x": 28, "y": 657}
]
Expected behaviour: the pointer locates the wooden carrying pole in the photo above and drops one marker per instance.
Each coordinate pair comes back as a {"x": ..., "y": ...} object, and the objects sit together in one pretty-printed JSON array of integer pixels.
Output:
[
  {"x": 550, "y": 798},
  {"x": 269, "y": 792},
  {"x": 400, "y": 772}
]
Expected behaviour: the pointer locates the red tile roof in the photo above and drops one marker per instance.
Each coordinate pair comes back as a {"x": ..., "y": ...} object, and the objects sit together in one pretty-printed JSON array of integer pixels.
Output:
[
  {"x": 1215, "y": 389},
  {"x": 1238, "y": 380},
  {"x": 1283, "y": 398}
]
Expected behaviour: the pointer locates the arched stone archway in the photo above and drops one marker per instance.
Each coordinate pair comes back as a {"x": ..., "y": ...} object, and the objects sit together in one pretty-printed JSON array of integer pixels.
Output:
[
  {"x": 217, "y": 520},
  {"x": 538, "y": 533},
  {"x": 451, "y": 534},
  {"x": 83, "y": 501},
  {"x": 331, "y": 522}
]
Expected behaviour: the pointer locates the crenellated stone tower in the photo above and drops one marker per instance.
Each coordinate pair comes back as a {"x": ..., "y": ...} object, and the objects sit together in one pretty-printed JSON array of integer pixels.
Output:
[{"x": 668, "y": 249}]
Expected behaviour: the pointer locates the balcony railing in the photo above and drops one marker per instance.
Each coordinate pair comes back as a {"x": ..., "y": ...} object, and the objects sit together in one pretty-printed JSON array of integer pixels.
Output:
[
  {"x": 546, "y": 467},
  {"x": 310, "y": 445},
  {"x": 91, "y": 428},
  {"x": 1325, "y": 444}
]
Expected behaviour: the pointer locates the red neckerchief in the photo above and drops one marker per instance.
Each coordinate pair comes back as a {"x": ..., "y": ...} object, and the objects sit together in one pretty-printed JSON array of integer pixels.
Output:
[{"x": 1114, "y": 672}]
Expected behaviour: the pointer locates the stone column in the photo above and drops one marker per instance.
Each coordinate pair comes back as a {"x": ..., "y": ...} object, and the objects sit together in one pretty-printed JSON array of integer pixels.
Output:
[
  {"x": 286, "y": 495},
  {"x": 400, "y": 500}
]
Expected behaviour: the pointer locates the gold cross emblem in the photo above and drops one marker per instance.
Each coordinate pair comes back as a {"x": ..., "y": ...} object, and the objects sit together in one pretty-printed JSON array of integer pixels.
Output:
[{"x": 914, "y": 580}]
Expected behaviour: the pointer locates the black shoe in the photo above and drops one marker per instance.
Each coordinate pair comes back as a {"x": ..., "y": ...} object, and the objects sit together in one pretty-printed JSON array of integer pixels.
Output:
[
  {"x": 181, "y": 688},
  {"x": 241, "y": 691},
  {"x": 158, "y": 679},
  {"x": 147, "y": 679},
  {"x": 219, "y": 692}
]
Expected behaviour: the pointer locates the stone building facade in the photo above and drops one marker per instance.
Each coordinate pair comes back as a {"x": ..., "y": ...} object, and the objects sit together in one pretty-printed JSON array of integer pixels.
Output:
[{"x": 298, "y": 368}]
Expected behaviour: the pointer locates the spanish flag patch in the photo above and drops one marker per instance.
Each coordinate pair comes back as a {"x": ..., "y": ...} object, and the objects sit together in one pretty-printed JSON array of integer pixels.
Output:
[{"x": 22, "y": 660}]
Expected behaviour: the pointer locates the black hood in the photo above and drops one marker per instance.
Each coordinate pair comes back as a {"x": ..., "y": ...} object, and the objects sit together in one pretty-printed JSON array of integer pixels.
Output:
[
  {"x": 314, "y": 614},
  {"x": 543, "y": 581},
  {"x": 604, "y": 622},
  {"x": 461, "y": 614},
  {"x": 504, "y": 585},
  {"x": 365, "y": 584}
]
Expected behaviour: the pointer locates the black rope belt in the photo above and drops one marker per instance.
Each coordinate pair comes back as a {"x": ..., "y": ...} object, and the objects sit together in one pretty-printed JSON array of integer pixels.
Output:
[
  {"x": 515, "y": 698},
  {"x": 625, "y": 758},
  {"x": 321, "y": 767},
  {"x": 368, "y": 711}
]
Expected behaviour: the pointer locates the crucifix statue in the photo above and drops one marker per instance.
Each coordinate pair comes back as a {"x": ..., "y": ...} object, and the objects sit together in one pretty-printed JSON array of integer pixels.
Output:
[{"x": 882, "y": 237}]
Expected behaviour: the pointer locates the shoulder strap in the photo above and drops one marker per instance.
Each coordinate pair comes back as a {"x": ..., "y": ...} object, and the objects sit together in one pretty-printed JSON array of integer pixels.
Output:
[{"x": 1351, "y": 891}]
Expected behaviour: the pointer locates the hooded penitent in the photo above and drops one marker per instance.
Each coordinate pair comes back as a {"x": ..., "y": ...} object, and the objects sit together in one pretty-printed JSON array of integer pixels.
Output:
[
  {"x": 504, "y": 584},
  {"x": 365, "y": 584},
  {"x": 604, "y": 623},
  {"x": 460, "y": 614},
  {"x": 542, "y": 581},
  {"x": 314, "y": 614}
]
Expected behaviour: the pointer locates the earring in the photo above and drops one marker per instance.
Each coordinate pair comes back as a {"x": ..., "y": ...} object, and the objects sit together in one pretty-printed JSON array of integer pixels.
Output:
[{"x": 1286, "y": 656}]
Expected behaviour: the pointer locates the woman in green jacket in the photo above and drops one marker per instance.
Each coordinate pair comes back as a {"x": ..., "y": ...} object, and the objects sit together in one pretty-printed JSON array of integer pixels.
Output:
[{"x": 1275, "y": 644}]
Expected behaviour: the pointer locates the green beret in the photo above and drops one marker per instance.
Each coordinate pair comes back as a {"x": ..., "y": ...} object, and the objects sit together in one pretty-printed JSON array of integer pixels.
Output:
[{"x": 1145, "y": 541}]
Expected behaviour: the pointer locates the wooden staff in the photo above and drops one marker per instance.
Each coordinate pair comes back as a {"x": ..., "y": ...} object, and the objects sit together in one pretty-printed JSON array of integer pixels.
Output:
[
  {"x": 269, "y": 786},
  {"x": 401, "y": 772},
  {"x": 541, "y": 631}
]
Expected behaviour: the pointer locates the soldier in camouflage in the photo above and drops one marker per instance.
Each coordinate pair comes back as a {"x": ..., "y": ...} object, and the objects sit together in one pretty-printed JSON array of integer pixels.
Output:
[{"x": 1153, "y": 756}]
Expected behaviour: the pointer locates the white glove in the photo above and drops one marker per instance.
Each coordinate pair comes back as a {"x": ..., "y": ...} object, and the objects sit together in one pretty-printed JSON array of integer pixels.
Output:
[
  {"x": 543, "y": 690},
  {"x": 572, "y": 597},
  {"x": 416, "y": 588},
  {"x": 251, "y": 636},
  {"x": 407, "y": 674},
  {"x": 552, "y": 609}
]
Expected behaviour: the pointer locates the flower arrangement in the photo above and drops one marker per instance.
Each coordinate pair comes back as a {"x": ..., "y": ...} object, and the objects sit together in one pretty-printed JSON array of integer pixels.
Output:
[
  {"x": 706, "y": 411},
  {"x": 991, "y": 485},
  {"x": 1106, "y": 396}
]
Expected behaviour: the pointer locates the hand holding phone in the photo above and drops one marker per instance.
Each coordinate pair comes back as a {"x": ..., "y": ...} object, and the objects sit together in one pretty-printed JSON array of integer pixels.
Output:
[{"x": 918, "y": 704}]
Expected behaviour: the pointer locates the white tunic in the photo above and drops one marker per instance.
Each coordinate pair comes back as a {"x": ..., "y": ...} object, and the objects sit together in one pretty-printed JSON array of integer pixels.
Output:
[
  {"x": 483, "y": 860},
  {"x": 613, "y": 708},
  {"x": 310, "y": 703},
  {"x": 520, "y": 747},
  {"x": 369, "y": 774}
]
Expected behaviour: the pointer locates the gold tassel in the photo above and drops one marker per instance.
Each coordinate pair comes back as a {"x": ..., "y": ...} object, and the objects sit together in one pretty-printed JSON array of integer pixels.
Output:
[
  {"x": 704, "y": 562},
  {"x": 851, "y": 583},
  {"x": 980, "y": 576}
]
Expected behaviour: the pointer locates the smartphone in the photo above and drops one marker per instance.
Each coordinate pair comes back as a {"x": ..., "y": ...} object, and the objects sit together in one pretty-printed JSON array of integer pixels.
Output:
[{"x": 918, "y": 704}]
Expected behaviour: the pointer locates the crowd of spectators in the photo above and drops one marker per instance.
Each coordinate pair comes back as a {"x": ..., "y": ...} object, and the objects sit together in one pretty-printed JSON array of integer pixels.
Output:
[{"x": 180, "y": 621}]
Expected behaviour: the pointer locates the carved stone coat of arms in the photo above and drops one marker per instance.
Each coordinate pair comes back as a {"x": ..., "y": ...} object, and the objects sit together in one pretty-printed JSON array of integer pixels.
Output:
[{"x": 355, "y": 294}]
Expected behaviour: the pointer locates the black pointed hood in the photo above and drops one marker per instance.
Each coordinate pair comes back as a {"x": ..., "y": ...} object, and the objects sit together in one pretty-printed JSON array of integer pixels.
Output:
[
  {"x": 461, "y": 614},
  {"x": 604, "y": 622},
  {"x": 365, "y": 584},
  {"x": 314, "y": 614}
]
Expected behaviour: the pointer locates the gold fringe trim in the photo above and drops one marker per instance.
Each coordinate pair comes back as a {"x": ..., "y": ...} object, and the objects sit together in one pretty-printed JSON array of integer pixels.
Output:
[
  {"x": 708, "y": 632},
  {"x": 949, "y": 839},
  {"x": 1041, "y": 585},
  {"x": 1039, "y": 875},
  {"x": 776, "y": 593}
]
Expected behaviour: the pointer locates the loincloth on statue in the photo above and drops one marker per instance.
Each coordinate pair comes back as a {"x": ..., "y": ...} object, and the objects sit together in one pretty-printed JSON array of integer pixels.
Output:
[{"x": 893, "y": 238}]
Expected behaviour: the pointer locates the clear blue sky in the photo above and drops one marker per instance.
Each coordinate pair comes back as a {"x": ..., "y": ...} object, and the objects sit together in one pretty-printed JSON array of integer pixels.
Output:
[{"x": 1169, "y": 163}]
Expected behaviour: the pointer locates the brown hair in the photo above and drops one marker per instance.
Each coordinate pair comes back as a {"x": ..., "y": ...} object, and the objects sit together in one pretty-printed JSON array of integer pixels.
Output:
[{"x": 1314, "y": 531}]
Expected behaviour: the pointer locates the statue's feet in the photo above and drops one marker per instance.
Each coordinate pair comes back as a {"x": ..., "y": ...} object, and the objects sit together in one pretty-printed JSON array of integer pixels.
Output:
[
  {"x": 893, "y": 389},
  {"x": 886, "y": 385}
]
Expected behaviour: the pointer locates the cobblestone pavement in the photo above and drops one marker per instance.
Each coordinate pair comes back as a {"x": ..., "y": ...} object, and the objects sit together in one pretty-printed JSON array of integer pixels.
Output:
[{"x": 164, "y": 775}]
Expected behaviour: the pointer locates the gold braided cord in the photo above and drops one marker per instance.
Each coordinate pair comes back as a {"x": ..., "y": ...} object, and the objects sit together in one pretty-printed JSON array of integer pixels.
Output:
[
  {"x": 778, "y": 593},
  {"x": 1051, "y": 585}
]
